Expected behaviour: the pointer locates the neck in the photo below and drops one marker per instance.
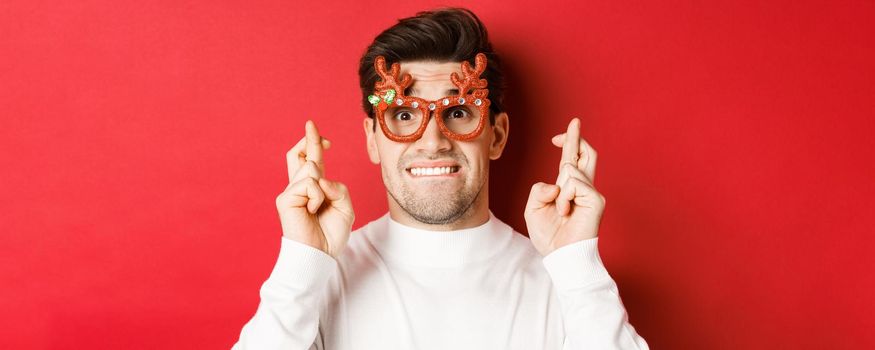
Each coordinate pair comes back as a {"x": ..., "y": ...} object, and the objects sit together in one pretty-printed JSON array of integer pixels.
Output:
[{"x": 476, "y": 215}]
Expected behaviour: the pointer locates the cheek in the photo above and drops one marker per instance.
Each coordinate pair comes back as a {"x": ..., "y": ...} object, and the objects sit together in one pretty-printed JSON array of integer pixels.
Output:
[
  {"x": 390, "y": 154},
  {"x": 478, "y": 156}
]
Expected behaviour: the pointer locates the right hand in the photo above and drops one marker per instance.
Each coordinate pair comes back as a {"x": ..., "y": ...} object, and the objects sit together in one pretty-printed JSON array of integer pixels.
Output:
[{"x": 313, "y": 210}]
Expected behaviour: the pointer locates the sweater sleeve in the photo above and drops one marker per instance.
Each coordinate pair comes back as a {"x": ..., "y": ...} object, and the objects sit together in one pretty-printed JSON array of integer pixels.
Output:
[
  {"x": 288, "y": 314},
  {"x": 592, "y": 312}
]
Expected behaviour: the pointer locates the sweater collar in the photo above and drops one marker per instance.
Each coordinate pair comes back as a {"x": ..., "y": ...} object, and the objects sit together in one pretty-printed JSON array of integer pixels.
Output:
[{"x": 407, "y": 245}]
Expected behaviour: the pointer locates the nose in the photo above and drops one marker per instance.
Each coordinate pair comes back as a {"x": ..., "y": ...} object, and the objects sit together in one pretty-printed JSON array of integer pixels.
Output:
[{"x": 432, "y": 140}]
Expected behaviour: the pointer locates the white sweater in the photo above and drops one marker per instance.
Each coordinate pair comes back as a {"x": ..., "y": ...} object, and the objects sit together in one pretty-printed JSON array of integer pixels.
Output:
[{"x": 398, "y": 287}]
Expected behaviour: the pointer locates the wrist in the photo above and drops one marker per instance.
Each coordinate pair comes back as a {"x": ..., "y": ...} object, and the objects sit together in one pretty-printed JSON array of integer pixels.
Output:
[{"x": 575, "y": 265}]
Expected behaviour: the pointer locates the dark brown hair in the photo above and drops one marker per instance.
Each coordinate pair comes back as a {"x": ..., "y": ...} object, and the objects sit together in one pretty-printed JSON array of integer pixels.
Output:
[{"x": 443, "y": 35}]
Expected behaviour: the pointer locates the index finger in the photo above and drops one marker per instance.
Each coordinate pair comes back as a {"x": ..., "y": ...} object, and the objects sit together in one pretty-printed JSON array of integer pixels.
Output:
[
  {"x": 570, "y": 150},
  {"x": 314, "y": 143}
]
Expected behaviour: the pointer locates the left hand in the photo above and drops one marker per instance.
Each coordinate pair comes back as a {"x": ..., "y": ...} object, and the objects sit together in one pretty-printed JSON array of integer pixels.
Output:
[{"x": 569, "y": 211}]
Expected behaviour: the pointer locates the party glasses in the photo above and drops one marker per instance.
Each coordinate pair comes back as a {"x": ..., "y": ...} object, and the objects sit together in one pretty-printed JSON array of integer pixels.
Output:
[{"x": 404, "y": 118}]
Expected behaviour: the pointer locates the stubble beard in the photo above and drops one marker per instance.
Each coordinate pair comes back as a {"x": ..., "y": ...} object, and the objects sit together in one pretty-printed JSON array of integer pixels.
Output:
[{"x": 437, "y": 206}]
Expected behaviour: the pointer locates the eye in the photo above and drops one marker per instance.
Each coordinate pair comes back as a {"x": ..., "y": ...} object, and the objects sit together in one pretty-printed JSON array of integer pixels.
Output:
[
  {"x": 403, "y": 116},
  {"x": 458, "y": 113}
]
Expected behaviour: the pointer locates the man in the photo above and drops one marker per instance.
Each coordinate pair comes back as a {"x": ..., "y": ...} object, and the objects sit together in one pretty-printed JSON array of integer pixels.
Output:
[{"x": 439, "y": 271}]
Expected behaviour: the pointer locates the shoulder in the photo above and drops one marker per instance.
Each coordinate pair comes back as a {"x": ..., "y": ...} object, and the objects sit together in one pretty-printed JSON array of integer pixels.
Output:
[
  {"x": 523, "y": 253},
  {"x": 517, "y": 255}
]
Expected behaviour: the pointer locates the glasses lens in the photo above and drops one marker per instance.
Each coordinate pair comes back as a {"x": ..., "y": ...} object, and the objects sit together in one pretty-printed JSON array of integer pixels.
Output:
[
  {"x": 461, "y": 119},
  {"x": 402, "y": 120}
]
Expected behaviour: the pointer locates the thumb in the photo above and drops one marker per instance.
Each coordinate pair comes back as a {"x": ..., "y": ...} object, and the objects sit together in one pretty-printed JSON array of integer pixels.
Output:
[{"x": 542, "y": 195}]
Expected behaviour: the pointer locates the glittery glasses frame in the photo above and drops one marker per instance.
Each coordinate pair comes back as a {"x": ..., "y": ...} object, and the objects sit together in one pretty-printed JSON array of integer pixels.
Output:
[{"x": 390, "y": 92}]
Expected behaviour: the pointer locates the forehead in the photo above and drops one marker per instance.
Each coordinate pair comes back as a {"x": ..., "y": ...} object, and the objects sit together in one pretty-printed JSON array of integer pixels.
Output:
[{"x": 430, "y": 72}]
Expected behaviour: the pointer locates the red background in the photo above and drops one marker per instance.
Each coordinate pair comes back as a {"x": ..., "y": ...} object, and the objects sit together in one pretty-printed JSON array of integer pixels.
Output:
[{"x": 143, "y": 146}]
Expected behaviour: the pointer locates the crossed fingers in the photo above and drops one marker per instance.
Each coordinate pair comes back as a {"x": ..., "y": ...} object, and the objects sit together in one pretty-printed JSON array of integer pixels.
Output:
[
  {"x": 576, "y": 168},
  {"x": 305, "y": 158},
  {"x": 578, "y": 157},
  {"x": 306, "y": 169}
]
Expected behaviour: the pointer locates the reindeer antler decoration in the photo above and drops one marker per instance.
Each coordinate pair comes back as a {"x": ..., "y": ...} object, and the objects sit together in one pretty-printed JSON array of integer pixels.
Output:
[
  {"x": 390, "y": 84},
  {"x": 471, "y": 77},
  {"x": 391, "y": 87}
]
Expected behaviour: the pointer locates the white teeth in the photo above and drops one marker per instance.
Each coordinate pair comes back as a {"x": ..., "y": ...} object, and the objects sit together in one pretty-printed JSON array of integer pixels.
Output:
[{"x": 432, "y": 171}]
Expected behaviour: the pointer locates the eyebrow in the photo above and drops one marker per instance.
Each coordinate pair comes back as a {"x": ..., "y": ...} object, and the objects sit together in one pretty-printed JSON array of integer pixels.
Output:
[{"x": 412, "y": 91}]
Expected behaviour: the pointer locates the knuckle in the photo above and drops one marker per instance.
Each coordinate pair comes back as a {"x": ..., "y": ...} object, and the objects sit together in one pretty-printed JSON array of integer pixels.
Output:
[
  {"x": 318, "y": 195},
  {"x": 537, "y": 186},
  {"x": 304, "y": 182},
  {"x": 569, "y": 168},
  {"x": 311, "y": 168},
  {"x": 577, "y": 184},
  {"x": 570, "y": 181},
  {"x": 309, "y": 181}
]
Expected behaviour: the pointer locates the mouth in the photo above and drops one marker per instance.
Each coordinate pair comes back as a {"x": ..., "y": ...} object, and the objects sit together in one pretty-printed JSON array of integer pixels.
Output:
[{"x": 433, "y": 170}]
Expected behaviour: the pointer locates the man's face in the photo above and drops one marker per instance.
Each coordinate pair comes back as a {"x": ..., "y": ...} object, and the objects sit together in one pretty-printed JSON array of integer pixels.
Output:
[{"x": 436, "y": 180}]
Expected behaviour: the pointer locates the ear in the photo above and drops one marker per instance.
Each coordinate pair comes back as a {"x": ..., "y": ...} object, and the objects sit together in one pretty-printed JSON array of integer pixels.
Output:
[
  {"x": 371, "y": 140},
  {"x": 500, "y": 130}
]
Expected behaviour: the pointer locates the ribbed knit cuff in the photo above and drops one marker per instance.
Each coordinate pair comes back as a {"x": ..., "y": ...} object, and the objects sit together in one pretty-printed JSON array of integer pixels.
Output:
[
  {"x": 575, "y": 265},
  {"x": 303, "y": 265}
]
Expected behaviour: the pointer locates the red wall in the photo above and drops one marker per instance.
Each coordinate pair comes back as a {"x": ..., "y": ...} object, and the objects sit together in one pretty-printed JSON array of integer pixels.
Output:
[{"x": 143, "y": 142}]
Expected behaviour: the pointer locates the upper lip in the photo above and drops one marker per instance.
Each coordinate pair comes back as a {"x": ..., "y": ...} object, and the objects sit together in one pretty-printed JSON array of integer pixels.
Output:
[{"x": 437, "y": 164}]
